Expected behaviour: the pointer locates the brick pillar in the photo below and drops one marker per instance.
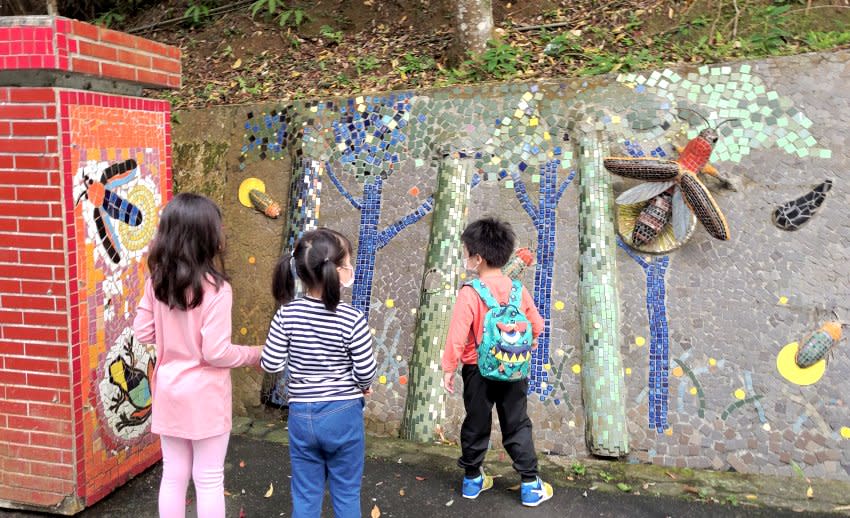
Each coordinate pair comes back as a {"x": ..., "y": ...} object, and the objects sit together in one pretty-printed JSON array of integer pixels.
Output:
[{"x": 76, "y": 142}]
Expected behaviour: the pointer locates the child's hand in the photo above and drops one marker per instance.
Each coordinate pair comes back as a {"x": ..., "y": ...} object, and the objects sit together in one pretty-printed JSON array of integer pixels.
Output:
[
  {"x": 449, "y": 382},
  {"x": 367, "y": 391}
]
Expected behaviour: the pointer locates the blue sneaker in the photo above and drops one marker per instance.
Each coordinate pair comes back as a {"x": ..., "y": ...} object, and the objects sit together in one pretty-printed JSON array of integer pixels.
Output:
[
  {"x": 472, "y": 487},
  {"x": 535, "y": 493}
]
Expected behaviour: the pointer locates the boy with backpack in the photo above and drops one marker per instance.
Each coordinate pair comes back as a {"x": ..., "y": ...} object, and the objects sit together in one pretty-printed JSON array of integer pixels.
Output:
[{"x": 493, "y": 330}]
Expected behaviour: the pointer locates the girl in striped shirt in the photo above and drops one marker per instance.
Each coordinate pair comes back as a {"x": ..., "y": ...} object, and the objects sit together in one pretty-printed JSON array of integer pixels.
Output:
[{"x": 327, "y": 347}]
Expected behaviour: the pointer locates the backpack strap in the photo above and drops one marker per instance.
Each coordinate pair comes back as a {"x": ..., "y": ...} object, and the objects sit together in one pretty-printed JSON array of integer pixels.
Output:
[
  {"x": 515, "y": 298},
  {"x": 484, "y": 293}
]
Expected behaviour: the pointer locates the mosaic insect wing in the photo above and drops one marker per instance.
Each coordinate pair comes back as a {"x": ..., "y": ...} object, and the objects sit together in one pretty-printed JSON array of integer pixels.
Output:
[
  {"x": 702, "y": 204},
  {"x": 795, "y": 213},
  {"x": 681, "y": 217},
  {"x": 647, "y": 169},
  {"x": 818, "y": 345},
  {"x": 643, "y": 192}
]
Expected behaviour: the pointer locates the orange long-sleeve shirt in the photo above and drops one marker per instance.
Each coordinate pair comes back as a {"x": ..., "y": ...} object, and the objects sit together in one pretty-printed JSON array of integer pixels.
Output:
[{"x": 467, "y": 324}]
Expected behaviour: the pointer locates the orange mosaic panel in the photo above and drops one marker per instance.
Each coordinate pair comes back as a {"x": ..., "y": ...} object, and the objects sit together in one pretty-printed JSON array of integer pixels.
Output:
[{"x": 117, "y": 167}]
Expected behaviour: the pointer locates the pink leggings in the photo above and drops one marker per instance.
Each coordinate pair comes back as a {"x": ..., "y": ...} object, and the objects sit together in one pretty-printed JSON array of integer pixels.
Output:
[{"x": 203, "y": 462}]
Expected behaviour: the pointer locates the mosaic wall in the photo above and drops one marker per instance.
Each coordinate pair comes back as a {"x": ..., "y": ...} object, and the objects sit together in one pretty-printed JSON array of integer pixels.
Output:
[
  {"x": 117, "y": 162},
  {"x": 714, "y": 314}
]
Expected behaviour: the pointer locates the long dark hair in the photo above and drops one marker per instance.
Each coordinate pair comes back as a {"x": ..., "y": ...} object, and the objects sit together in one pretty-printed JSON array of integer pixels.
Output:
[
  {"x": 187, "y": 251},
  {"x": 316, "y": 257}
]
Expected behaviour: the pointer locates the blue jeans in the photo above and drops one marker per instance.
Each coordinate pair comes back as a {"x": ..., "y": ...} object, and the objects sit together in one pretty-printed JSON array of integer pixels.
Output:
[{"x": 326, "y": 443}]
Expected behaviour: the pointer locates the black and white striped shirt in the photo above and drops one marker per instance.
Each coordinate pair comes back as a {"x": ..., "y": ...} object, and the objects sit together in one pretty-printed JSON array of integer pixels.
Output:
[{"x": 329, "y": 354}]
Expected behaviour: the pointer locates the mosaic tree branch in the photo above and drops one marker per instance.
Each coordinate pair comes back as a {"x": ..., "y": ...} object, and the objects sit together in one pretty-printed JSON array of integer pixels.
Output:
[
  {"x": 425, "y": 397},
  {"x": 659, "y": 342},
  {"x": 603, "y": 391}
]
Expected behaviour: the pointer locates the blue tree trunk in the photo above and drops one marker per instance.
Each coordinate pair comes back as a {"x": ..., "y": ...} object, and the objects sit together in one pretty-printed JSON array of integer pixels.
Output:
[
  {"x": 546, "y": 225},
  {"x": 367, "y": 246},
  {"x": 659, "y": 343}
]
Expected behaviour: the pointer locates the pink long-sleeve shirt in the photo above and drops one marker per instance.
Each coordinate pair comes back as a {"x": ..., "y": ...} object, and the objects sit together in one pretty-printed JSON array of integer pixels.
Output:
[
  {"x": 191, "y": 381},
  {"x": 467, "y": 323}
]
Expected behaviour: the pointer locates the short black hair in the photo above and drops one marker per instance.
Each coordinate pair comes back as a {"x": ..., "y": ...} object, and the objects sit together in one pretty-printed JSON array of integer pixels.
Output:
[{"x": 490, "y": 238}]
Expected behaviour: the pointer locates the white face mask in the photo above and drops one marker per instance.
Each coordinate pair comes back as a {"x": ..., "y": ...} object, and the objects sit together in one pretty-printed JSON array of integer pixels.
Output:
[
  {"x": 348, "y": 284},
  {"x": 473, "y": 269}
]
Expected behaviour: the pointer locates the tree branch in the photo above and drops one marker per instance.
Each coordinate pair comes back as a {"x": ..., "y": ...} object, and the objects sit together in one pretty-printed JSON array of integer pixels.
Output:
[
  {"x": 522, "y": 196},
  {"x": 566, "y": 183},
  {"x": 354, "y": 202},
  {"x": 390, "y": 232}
]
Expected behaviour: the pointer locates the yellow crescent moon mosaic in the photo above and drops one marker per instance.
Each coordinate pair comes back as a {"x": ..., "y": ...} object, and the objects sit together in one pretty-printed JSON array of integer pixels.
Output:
[{"x": 786, "y": 363}]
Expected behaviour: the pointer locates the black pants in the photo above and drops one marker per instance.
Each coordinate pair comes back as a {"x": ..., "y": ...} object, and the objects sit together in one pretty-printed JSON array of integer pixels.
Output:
[{"x": 511, "y": 400}]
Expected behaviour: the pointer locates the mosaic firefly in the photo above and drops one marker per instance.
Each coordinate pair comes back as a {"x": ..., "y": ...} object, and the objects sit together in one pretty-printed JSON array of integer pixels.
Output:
[
  {"x": 109, "y": 205},
  {"x": 819, "y": 344},
  {"x": 672, "y": 188}
]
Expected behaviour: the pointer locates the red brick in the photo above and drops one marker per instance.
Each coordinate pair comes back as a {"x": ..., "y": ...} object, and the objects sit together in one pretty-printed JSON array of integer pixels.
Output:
[
  {"x": 51, "y": 411},
  {"x": 42, "y": 318},
  {"x": 57, "y": 471},
  {"x": 7, "y": 162},
  {"x": 33, "y": 394},
  {"x": 21, "y": 271},
  {"x": 42, "y": 334},
  {"x": 13, "y": 407},
  {"x": 35, "y": 129},
  {"x": 47, "y": 351},
  {"x": 32, "y": 95},
  {"x": 7, "y": 347},
  {"x": 22, "y": 112},
  {"x": 48, "y": 381},
  {"x": 39, "y": 483},
  {"x": 5, "y": 129},
  {"x": 11, "y": 378},
  {"x": 33, "y": 497},
  {"x": 166, "y": 65},
  {"x": 51, "y": 440},
  {"x": 152, "y": 78},
  {"x": 11, "y": 317},
  {"x": 36, "y": 162},
  {"x": 8, "y": 224},
  {"x": 57, "y": 289},
  {"x": 31, "y": 364},
  {"x": 14, "y": 465},
  {"x": 41, "y": 226},
  {"x": 34, "y": 210},
  {"x": 85, "y": 30},
  {"x": 23, "y": 145},
  {"x": 99, "y": 51},
  {"x": 118, "y": 72},
  {"x": 8, "y": 256},
  {"x": 13, "y": 436},
  {"x": 85, "y": 66},
  {"x": 12, "y": 177},
  {"x": 119, "y": 38},
  {"x": 134, "y": 58},
  {"x": 25, "y": 241}
]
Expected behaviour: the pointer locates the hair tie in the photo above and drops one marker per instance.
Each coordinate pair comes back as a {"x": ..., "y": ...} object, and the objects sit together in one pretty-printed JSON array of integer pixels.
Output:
[{"x": 292, "y": 267}]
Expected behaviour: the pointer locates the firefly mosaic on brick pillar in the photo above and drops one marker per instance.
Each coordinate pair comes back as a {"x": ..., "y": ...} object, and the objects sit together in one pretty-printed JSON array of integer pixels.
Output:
[
  {"x": 603, "y": 387},
  {"x": 92, "y": 170},
  {"x": 424, "y": 407}
]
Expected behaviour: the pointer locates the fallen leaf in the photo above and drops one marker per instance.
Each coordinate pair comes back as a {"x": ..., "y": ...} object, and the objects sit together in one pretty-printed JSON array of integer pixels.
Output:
[
  {"x": 270, "y": 491},
  {"x": 514, "y": 488},
  {"x": 622, "y": 486},
  {"x": 401, "y": 492},
  {"x": 227, "y": 493},
  {"x": 810, "y": 492},
  {"x": 241, "y": 463},
  {"x": 450, "y": 502},
  {"x": 376, "y": 513},
  {"x": 241, "y": 512},
  {"x": 420, "y": 478},
  {"x": 584, "y": 494},
  {"x": 236, "y": 64},
  {"x": 379, "y": 483},
  {"x": 399, "y": 460},
  {"x": 690, "y": 489},
  {"x": 751, "y": 497},
  {"x": 670, "y": 475}
]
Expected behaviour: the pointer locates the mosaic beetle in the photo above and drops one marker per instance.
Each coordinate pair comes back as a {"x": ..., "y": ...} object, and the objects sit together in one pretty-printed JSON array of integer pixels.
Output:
[
  {"x": 819, "y": 344},
  {"x": 134, "y": 386},
  {"x": 672, "y": 189}
]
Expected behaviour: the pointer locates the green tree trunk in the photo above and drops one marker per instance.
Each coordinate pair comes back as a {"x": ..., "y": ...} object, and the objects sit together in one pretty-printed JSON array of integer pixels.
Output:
[
  {"x": 425, "y": 397},
  {"x": 603, "y": 391}
]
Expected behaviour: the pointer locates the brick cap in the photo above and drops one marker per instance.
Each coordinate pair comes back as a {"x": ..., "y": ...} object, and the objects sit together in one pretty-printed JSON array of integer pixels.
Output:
[{"x": 65, "y": 45}]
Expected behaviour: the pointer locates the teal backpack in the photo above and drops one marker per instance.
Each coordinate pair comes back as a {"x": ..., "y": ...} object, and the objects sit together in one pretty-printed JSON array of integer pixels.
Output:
[{"x": 504, "y": 353}]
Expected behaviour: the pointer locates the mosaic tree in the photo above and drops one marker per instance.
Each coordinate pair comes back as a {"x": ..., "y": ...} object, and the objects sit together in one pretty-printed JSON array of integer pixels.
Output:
[
  {"x": 273, "y": 136},
  {"x": 535, "y": 146},
  {"x": 367, "y": 134}
]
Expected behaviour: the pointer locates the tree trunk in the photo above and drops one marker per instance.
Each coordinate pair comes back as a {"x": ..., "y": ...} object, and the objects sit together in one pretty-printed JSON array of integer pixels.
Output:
[
  {"x": 473, "y": 28},
  {"x": 52, "y": 8}
]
